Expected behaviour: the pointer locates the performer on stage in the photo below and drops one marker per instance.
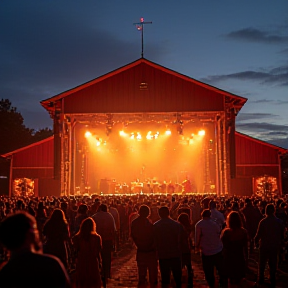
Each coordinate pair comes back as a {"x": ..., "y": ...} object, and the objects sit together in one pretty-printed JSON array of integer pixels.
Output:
[
  {"x": 170, "y": 188},
  {"x": 187, "y": 186}
]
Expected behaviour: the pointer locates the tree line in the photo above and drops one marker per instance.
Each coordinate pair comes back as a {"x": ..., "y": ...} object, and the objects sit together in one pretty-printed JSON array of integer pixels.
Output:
[{"x": 13, "y": 133}]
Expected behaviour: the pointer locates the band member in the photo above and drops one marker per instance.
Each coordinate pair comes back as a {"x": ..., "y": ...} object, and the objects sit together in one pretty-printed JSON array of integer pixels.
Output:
[
  {"x": 187, "y": 186},
  {"x": 170, "y": 188}
]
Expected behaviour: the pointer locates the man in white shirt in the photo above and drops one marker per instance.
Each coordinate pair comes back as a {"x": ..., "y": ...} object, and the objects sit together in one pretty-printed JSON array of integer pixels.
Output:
[{"x": 207, "y": 239}]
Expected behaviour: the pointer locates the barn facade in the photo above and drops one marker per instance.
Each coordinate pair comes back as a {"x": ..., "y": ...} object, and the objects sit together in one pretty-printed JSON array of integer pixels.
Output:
[{"x": 144, "y": 101}]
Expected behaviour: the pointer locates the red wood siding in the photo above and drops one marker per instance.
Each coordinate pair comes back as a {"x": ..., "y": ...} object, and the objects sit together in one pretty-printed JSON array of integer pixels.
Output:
[
  {"x": 33, "y": 173},
  {"x": 49, "y": 187},
  {"x": 120, "y": 93},
  {"x": 39, "y": 155},
  {"x": 242, "y": 186},
  {"x": 257, "y": 171},
  {"x": 253, "y": 151}
]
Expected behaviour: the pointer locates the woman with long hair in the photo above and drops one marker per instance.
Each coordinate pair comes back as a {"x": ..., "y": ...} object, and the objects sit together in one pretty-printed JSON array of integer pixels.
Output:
[
  {"x": 186, "y": 246},
  {"x": 57, "y": 236},
  {"x": 87, "y": 244},
  {"x": 235, "y": 248}
]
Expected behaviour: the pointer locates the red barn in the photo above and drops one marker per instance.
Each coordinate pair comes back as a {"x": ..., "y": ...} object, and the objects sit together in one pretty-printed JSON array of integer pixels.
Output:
[{"x": 144, "y": 126}]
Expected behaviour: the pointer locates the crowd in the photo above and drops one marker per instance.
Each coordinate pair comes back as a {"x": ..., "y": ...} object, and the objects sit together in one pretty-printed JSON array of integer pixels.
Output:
[{"x": 76, "y": 236}]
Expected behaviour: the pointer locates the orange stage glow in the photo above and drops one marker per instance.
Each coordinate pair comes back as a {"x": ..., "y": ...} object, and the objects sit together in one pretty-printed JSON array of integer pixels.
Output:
[{"x": 129, "y": 154}]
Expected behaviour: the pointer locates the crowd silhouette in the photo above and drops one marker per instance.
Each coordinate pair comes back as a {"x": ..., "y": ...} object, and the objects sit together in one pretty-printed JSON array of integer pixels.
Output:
[{"x": 76, "y": 236}]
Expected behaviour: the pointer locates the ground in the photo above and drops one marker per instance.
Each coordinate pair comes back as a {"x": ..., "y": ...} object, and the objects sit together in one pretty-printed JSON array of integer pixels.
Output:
[{"x": 124, "y": 271}]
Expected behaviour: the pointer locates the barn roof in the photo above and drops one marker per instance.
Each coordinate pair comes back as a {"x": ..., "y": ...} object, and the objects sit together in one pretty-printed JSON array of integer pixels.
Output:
[
  {"x": 153, "y": 79},
  {"x": 31, "y": 146}
]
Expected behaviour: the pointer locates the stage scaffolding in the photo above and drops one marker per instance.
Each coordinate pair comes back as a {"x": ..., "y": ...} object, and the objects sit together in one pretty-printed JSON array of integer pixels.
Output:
[{"x": 222, "y": 149}]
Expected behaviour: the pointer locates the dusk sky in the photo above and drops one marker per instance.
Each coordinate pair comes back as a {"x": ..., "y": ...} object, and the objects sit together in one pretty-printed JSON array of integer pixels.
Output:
[{"x": 241, "y": 46}]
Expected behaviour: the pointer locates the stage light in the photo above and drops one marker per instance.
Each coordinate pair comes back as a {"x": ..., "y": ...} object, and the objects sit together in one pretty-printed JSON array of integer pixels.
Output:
[
  {"x": 122, "y": 133},
  {"x": 168, "y": 132},
  {"x": 156, "y": 135},
  {"x": 201, "y": 133},
  {"x": 132, "y": 136},
  {"x": 138, "y": 137},
  {"x": 88, "y": 134},
  {"x": 149, "y": 135}
]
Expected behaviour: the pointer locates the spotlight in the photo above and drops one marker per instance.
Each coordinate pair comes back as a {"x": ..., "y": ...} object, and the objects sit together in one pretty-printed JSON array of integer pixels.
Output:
[
  {"x": 149, "y": 135},
  {"x": 201, "y": 133},
  {"x": 168, "y": 132},
  {"x": 88, "y": 134},
  {"x": 122, "y": 133},
  {"x": 138, "y": 137}
]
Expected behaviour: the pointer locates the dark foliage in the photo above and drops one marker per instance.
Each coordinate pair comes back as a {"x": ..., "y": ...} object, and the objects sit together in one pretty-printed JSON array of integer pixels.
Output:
[{"x": 13, "y": 133}]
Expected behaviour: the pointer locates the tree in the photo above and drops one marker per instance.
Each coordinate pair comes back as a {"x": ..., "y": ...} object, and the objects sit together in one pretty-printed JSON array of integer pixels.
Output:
[
  {"x": 13, "y": 133},
  {"x": 42, "y": 134}
]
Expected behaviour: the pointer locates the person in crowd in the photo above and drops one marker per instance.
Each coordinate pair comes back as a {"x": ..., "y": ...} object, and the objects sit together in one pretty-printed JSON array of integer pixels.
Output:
[
  {"x": 31, "y": 208},
  {"x": 235, "y": 249},
  {"x": 87, "y": 245},
  {"x": 105, "y": 227},
  {"x": 146, "y": 257},
  {"x": 41, "y": 218},
  {"x": 82, "y": 213},
  {"x": 114, "y": 212},
  {"x": 185, "y": 208},
  {"x": 270, "y": 234},
  {"x": 28, "y": 266},
  {"x": 207, "y": 239},
  {"x": 57, "y": 236},
  {"x": 236, "y": 207},
  {"x": 186, "y": 246},
  {"x": 216, "y": 215},
  {"x": 253, "y": 216},
  {"x": 168, "y": 233}
]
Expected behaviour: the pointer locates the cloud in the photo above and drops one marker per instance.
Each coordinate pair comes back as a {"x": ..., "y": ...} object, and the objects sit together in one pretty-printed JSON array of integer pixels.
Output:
[
  {"x": 275, "y": 134},
  {"x": 255, "y": 35},
  {"x": 268, "y": 101},
  {"x": 262, "y": 126},
  {"x": 277, "y": 75},
  {"x": 253, "y": 116}
]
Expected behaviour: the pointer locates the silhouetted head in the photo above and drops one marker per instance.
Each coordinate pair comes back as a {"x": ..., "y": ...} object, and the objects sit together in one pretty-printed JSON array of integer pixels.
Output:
[
  {"x": 234, "y": 220},
  {"x": 87, "y": 227},
  {"x": 270, "y": 209},
  {"x": 144, "y": 211},
  {"x": 163, "y": 212},
  {"x": 18, "y": 229},
  {"x": 183, "y": 218},
  {"x": 103, "y": 207},
  {"x": 206, "y": 213}
]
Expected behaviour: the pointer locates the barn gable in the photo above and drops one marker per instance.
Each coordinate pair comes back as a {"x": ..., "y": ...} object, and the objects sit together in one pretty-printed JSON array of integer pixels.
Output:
[{"x": 142, "y": 86}]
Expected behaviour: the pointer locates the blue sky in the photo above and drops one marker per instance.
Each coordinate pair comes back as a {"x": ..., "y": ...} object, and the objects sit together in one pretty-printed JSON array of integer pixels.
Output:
[{"x": 240, "y": 46}]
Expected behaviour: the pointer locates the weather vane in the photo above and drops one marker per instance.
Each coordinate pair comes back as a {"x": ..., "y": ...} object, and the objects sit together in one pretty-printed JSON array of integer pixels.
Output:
[{"x": 140, "y": 27}]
